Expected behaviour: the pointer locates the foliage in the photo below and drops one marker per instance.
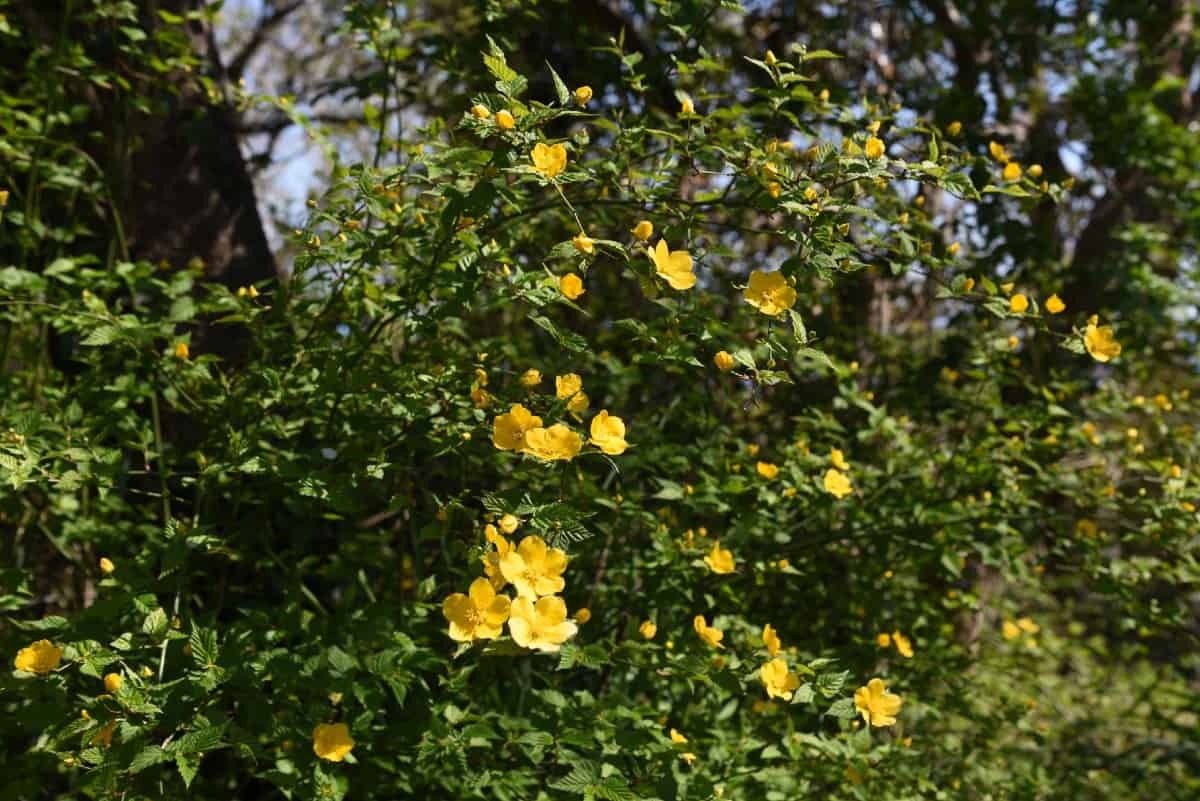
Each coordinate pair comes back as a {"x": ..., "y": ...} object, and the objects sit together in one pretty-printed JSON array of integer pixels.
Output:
[{"x": 284, "y": 521}]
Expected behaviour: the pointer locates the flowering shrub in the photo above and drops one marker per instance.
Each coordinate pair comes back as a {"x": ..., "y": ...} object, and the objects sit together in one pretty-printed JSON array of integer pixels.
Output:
[{"x": 744, "y": 545}]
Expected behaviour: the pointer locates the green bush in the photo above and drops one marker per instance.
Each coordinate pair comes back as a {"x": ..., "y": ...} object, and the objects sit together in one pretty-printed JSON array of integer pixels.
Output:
[{"x": 246, "y": 520}]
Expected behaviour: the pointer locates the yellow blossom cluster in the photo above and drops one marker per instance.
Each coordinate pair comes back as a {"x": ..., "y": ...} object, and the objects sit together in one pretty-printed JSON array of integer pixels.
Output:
[
  {"x": 536, "y": 616},
  {"x": 903, "y": 644},
  {"x": 520, "y": 430},
  {"x": 837, "y": 481},
  {"x": 1011, "y": 630}
]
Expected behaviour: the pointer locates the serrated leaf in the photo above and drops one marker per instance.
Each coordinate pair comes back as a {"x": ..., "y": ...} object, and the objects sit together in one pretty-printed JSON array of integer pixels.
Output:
[
  {"x": 564, "y": 94},
  {"x": 101, "y": 335},
  {"x": 582, "y": 778},
  {"x": 571, "y": 341},
  {"x": 200, "y": 740},
  {"x": 188, "y": 767},
  {"x": 842, "y": 708},
  {"x": 155, "y": 623},
  {"x": 148, "y": 757}
]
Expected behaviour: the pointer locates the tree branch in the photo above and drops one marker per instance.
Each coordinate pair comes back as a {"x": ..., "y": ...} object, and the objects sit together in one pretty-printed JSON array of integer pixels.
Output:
[{"x": 237, "y": 66}]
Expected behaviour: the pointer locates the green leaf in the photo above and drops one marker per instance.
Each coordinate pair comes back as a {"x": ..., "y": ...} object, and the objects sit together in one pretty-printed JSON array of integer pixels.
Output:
[
  {"x": 155, "y": 623},
  {"x": 188, "y": 768},
  {"x": 571, "y": 341},
  {"x": 101, "y": 335},
  {"x": 564, "y": 94},
  {"x": 148, "y": 757},
  {"x": 182, "y": 310},
  {"x": 842, "y": 708},
  {"x": 582, "y": 778},
  {"x": 201, "y": 740}
]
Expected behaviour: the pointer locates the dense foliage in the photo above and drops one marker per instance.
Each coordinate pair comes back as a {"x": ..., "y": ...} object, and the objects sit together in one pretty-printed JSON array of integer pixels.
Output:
[{"x": 603, "y": 440}]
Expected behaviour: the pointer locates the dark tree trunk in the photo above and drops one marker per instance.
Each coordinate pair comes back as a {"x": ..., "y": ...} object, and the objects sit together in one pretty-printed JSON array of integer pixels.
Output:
[{"x": 189, "y": 195}]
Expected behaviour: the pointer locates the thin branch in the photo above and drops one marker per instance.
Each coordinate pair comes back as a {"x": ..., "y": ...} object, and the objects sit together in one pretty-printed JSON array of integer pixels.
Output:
[{"x": 237, "y": 67}]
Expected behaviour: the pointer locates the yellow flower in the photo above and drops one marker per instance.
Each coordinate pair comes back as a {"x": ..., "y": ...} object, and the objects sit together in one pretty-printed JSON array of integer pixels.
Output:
[
  {"x": 534, "y": 569},
  {"x": 505, "y": 120},
  {"x": 770, "y": 639},
  {"x": 571, "y": 285},
  {"x": 837, "y": 483},
  {"x": 542, "y": 626},
  {"x": 770, "y": 59},
  {"x": 883, "y": 640},
  {"x": 811, "y": 194},
  {"x": 723, "y": 360},
  {"x": 688, "y": 757},
  {"x": 583, "y": 615},
  {"x": 968, "y": 284},
  {"x": 1018, "y": 303},
  {"x": 556, "y": 443},
  {"x": 531, "y": 377},
  {"x": 480, "y": 111},
  {"x": 509, "y": 523},
  {"x": 583, "y": 243},
  {"x": 568, "y": 387},
  {"x": 767, "y": 470},
  {"x": 1101, "y": 343},
  {"x": 774, "y": 189},
  {"x": 1163, "y": 402},
  {"x": 779, "y": 681},
  {"x": 838, "y": 459},
  {"x": 481, "y": 397},
  {"x": 954, "y": 128},
  {"x": 104, "y": 735},
  {"x": 1012, "y": 171},
  {"x": 999, "y": 153},
  {"x": 648, "y": 629},
  {"x": 874, "y": 147},
  {"x": 113, "y": 682},
  {"x": 182, "y": 351},
  {"x": 770, "y": 293},
  {"x": 583, "y": 94},
  {"x": 1013, "y": 341},
  {"x": 823, "y": 95},
  {"x": 549, "y": 160},
  {"x": 952, "y": 250},
  {"x": 903, "y": 645},
  {"x": 643, "y": 230},
  {"x": 608, "y": 433},
  {"x": 509, "y": 430},
  {"x": 710, "y": 635},
  {"x": 1010, "y": 630},
  {"x": 686, "y": 106},
  {"x": 491, "y": 560},
  {"x": 719, "y": 561},
  {"x": 674, "y": 266},
  {"x": 332, "y": 741},
  {"x": 106, "y": 565},
  {"x": 677, "y": 738},
  {"x": 1054, "y": 304},
  {"x": 877, "y": 705},
  {"x": 1028, "y": 626},
  {"x": 40, "y": 657},
  {"x": 480, "y": 615}
]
